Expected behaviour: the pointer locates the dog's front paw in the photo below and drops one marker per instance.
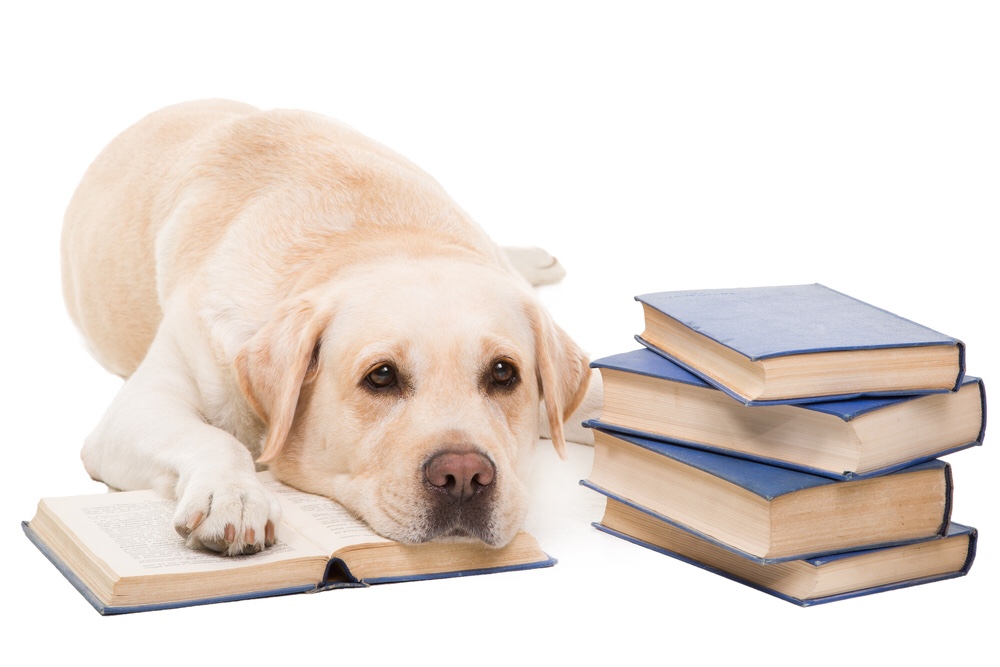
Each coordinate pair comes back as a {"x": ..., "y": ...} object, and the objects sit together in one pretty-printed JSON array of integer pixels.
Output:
[{"x": 235, "y": 516}]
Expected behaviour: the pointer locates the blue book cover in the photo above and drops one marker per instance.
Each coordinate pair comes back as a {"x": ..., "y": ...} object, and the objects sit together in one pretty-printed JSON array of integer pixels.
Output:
[
  {"x": 768, "y": 323},
  {"x": 803, "y": 582},
  {"x": 876, "y": 510},
  {"x": 734, "y": 428}
]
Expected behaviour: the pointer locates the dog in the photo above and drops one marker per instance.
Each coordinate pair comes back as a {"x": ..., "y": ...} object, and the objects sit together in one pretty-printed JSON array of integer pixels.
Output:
[{"x": 279, "y": 291}]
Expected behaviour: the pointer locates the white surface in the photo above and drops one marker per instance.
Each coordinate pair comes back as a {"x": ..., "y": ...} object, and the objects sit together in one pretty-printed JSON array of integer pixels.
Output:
[{"x": 693, "y": 145}]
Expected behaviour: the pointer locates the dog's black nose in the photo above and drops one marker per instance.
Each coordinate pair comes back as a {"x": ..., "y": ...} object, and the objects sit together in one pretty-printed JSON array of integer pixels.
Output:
[{"x": 459, "y": 474}]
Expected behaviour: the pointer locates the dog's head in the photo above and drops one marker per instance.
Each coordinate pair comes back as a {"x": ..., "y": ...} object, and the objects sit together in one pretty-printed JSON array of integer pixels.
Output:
[{"x": 410, "y": 392}]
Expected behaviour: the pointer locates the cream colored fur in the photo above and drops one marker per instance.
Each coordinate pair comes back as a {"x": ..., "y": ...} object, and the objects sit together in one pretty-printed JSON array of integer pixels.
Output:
[{"x": 245, "y": 271}]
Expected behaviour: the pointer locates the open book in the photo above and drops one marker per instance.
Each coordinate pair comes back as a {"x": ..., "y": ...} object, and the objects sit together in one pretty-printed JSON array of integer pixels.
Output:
[{"x": 121, "y": 552}]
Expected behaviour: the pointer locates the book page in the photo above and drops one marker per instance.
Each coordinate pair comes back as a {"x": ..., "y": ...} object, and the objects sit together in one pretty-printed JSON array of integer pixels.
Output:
[
  {"x": 324, "y": 521},
  {"x": 133, "y": 533}
]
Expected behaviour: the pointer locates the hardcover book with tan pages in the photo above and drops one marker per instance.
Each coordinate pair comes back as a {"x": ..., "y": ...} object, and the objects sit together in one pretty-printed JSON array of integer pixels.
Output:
[
  {"x": 798, "y": 343},
  {"x": 768, "y": 513},
  {"x": 805, "y": 582},
  {"x": 648, "y": 395},
  {"x": 121, "y": 552}
]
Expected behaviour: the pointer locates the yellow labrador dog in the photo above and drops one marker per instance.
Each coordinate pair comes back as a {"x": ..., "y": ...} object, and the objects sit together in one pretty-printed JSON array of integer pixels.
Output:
[{"x": 281, "y": 291}]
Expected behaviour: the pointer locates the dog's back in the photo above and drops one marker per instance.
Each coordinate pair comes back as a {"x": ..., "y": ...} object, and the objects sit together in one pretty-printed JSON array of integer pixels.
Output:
[
  {"x": 161, "y": 198},
  {"x": 109, "y": 233}
]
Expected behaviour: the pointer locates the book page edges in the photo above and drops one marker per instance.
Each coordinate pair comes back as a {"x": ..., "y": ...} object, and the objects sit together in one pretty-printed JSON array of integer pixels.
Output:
[
  {"x": 794, "y": 400},
  {"x": 764, "y": 560},
  {"x": 106, "y": 609},
  {"x": 437, "y": 559},
  {"x": 801, "y": 602},
  {"x": 545, "y": 561},
  {"x": 843, "y": 476}
]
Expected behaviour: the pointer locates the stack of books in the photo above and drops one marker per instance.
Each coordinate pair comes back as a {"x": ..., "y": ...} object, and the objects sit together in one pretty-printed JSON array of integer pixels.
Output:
[{"x": 789, "y": 438}]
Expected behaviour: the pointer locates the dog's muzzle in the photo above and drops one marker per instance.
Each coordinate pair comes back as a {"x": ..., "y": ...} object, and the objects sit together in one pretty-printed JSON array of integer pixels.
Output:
[{"x": 460, "y": 490}]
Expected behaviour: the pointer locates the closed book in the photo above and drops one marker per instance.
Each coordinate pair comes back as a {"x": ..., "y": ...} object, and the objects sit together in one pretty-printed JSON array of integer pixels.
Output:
[
  {"x": 798, "y": 343},
  {"x": 646, "y": 394},
  {"x": 809, "y": 581},
  {"x": 769, "y": 513}
]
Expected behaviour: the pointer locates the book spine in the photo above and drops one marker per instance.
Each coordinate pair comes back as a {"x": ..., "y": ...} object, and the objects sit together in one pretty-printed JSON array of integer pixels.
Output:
[
  {"x": 961, "y": 365},
  {"x": 949, "y": 499},
  {"x": 971, "y": 556},
  {"x": 982, "y": 398}
]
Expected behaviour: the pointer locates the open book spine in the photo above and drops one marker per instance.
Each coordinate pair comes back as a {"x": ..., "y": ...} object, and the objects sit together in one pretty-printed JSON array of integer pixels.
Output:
[{"x": 973, "y": 539}]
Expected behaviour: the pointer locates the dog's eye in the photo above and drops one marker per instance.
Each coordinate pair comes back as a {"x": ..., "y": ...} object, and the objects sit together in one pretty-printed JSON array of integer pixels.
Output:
[
  {"x": 382, "y": 376},
  {"x": 503, "y": 373}
]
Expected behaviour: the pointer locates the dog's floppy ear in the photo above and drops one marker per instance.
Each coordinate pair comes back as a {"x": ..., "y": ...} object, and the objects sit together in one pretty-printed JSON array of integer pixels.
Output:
[
  {"x": 563, "y": 373},
  {"x": 274, "y": 365}
]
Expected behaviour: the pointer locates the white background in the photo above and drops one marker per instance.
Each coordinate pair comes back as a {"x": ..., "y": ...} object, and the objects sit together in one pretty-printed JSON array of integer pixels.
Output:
[{"x": 650, "y": 147}]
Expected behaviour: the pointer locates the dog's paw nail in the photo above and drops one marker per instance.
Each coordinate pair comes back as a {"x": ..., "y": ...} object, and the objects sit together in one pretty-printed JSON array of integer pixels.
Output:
[
  {"x": 194, "y": 521},
  {"x": 238, "y": 519},
  {"x": 269, "y": 534}
]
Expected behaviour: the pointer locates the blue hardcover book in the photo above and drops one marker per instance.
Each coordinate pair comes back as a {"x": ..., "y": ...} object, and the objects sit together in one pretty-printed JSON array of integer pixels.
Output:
[
  {"x": 121, "y": 553},
  {"x": 798, "y": 343},
  {"x": 648, "y": 395},
  {"x": 768, "y": 513},
  {"x": 809, "y": 581}
]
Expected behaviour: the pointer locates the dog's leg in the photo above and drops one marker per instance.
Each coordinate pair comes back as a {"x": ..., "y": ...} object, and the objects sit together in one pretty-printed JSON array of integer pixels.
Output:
[
  {"x": 155, "y": 436},
  {"x": 535, "y": 264}
]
